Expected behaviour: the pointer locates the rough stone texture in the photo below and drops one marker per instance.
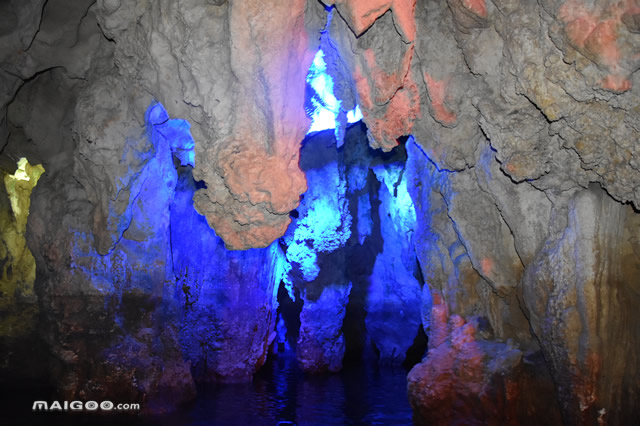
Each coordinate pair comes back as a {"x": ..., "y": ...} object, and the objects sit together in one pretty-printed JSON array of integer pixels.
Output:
[
  {"x": 582, "y": 292},
  {"x": 75, "y": 96},
  {"x": 392, "y": 316},
  {"x": 321, "y": 345},
  {"x": 478, "y": 335},
  {"x": 258, "y": 183},
  {"x": 98, "y": 309},
  {"x": 236, "y": 70},
  {"x": 518, "y": 111},
  {"x": 466, "y": 379},
  {"x": 317, "y": 257},
  {"x": 379, "y": 65},
  {"x": 18, "y": 266},
  {"x": 448, "y": 266},
  {"x": 227, "y": 299},
  {"x": 351, "y": 254},
  {"x": 18, "y": 300}
]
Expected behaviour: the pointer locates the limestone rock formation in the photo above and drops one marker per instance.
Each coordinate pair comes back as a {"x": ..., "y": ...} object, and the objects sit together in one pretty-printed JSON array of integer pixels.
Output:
[
  {"x": 99, "y": 308},
  {"x": 478, "y": 381},
  {"x": 227, "y": 338},
  {"x": 350, "y": 253},
  {"x": 394, "y": 283},
  {"x": 227, "y": 299},
  {"x": 380, "y": 36},
  {"x": 321, "y": 344},
  {"x": 518, "y": 127},
  {"x": 238, "y": 75},
  {"x": 581, "y": 291},
  {"x": 18, "y": 301}
]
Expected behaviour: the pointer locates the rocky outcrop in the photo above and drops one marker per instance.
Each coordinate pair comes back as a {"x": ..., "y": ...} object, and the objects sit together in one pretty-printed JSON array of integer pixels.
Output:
[
  {"x": 227, "y": 299},
  {"x": 236, "y": 71},
  {"x": 316, "y": 257},
  {"x": 372, "y": 46},
  {"x": 466, "y": 378},
  {"x": 321, "y": 343},
  {"x": 351, "y": 256},
  {"x": 101, "y": 227},
  {"x": 540, "y": 83},
  {"x": 18, "y": 300},
  {"x": 395, "y": 283},
  {"x": 148, "y": 294},
  {"x": 580, "y": 292},
  {"x": 99, "y": 309}
]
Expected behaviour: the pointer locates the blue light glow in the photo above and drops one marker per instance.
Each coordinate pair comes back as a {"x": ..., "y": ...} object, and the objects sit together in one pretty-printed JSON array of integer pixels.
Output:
[
  {"x": 326, "y": 107},
  {"x": 354, "y": 115},
  {"x": 401, "y": 207},
  {"x": 324, "y": 222},
  {"x": 176, "y": 131},
  {"x": 365, "y": 222}
]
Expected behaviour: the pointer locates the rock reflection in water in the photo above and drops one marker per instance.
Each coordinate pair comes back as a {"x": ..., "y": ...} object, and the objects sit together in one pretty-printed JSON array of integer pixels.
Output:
[{"x": 281, "y": 394}]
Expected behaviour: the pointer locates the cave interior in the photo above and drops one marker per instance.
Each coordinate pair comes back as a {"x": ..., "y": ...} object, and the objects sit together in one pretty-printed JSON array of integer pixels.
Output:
[{"x": 360, "y": 212}]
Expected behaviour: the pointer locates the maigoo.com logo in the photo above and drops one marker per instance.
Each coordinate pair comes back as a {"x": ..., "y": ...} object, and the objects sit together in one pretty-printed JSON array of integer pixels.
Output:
[{"x": 83, "y": 406}]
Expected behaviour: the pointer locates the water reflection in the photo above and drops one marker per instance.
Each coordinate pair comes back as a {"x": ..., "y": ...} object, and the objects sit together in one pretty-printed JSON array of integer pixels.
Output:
[{"x": 281, "y": 394}]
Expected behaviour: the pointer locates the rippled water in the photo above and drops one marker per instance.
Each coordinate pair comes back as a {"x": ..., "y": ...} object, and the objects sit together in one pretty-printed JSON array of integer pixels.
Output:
[{"x": 282, "y": 394}]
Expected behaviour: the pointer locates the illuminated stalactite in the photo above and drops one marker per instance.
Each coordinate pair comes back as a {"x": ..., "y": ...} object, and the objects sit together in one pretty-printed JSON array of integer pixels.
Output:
[
  {"x": 17, "y": 265},
  {"x": 343, "y": 221},
  {"x": 323, "y": 107},
  {"x": 226, "y": 299},
  {"x": 350, "y": 248}
]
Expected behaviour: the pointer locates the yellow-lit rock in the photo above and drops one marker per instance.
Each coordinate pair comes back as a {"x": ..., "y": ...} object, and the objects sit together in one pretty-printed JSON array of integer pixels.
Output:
[{"x": 17, "y": 265}]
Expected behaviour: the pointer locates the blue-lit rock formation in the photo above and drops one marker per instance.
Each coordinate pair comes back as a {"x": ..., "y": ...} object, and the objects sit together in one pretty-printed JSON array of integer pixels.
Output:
[
  {"x": 351, "y": 249},
  {"x": 110, "y": 322},
  {"x": 166, "y": 302},
  {"x": 521, "y": 161},
  {"x": 321, "y": 344},
  {"x": 325, "y": 111},
  {"x": 315, "y": 253},
  {"x": 226, "y": 299},
  {"x": 392, "y": 316}
]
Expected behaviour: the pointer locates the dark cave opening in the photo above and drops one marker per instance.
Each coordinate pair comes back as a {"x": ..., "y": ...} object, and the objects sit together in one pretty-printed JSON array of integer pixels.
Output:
[{"x": 289, "y": 313}]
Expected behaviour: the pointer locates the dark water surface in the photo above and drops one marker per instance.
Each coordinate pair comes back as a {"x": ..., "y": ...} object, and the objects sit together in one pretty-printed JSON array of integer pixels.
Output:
[{"x": 280, "y": 394}]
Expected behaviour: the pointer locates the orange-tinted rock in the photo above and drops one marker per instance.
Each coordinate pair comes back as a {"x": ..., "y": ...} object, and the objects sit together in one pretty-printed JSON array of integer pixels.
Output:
[
  {"x": 601, "y": 42},
  {"x": 594, "y": 31},
  {"x": 581, "y": 294},
  {"x": 466, "y": 380},
  {"x": 361, "y": 14},
  {"x": 478, "y": 7},
  {"x": 403, "y": 12},
  {"x": 380, "y": 61},
  {"x": 395, "y": 119},
  {"x": 469, "y": 14},
  {"x": 436, "y": 89},
  {"x": 257, "y": 163},
  {"x": 616, "y": 83}
]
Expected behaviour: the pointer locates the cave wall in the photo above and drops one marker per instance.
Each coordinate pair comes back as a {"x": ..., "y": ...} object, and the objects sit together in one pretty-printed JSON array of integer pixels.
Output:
[
  {"x": 523, "y": 109},
  {"x": 522, "y": 167}
]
